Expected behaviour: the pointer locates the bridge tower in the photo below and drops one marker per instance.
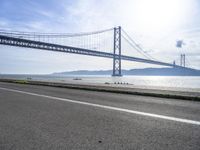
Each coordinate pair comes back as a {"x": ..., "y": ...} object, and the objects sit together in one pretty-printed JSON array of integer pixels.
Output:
[
  {"x": 182, "y": 61},
  {"x": 117, "y": 52}
]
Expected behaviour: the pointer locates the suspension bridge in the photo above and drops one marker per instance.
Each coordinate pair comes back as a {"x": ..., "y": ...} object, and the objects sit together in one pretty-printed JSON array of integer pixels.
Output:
[{"x": 110, "y": 43}]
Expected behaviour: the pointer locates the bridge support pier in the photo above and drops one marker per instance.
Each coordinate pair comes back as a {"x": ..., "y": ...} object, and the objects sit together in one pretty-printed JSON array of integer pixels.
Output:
[{"x": 117, "y": 52}]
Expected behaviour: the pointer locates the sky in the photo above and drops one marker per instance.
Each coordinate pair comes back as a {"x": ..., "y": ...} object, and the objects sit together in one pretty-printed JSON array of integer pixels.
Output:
[{"x": 155, "y": 25}]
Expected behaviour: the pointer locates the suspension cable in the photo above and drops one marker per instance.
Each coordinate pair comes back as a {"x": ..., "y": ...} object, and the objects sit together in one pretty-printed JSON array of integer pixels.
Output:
[
  {"x": 136, "y": 46},
  {"x": 51, "y": 35},
  {"x": 133, "y": 46}
]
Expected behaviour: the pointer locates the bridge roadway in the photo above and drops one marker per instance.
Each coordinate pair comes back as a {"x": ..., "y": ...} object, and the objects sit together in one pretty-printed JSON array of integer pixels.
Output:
[
  {"x": 41, "y": 117},
  {"x": 13, "y": 41}
]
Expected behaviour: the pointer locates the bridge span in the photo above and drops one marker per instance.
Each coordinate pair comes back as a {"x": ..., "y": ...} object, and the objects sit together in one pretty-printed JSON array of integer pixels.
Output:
[{"x": 6, "y": 39}]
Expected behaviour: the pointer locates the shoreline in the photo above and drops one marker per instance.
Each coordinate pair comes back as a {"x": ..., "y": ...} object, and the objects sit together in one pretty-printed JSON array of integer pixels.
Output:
[{"x": 162, "y": 93}]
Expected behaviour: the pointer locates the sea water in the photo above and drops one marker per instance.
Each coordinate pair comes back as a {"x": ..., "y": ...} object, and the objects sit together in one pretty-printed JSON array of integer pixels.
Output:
[{"x": 159, "y": 81}]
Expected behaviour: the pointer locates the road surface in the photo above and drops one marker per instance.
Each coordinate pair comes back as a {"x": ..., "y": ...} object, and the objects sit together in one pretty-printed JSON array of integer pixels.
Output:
[{"x": 45, "y": 118}]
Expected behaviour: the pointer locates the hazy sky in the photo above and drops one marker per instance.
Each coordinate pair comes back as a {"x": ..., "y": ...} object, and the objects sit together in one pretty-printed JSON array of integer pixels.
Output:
[{"x": 155, "y": 24}]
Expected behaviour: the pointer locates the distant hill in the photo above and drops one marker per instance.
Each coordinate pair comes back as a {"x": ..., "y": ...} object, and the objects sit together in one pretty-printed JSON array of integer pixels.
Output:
[{"x": 144, "y": 72}]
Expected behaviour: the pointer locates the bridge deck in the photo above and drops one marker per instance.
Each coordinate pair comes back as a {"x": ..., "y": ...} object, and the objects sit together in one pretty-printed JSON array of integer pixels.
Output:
[{"x": 13, "y": 41}]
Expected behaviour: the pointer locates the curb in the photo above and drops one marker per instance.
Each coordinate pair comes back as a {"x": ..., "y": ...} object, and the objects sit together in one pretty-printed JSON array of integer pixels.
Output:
[{"x": 103, "y": 89}]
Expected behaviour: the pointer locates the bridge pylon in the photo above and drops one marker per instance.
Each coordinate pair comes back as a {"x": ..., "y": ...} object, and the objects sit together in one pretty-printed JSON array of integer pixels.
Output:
[{"x": 117, "y": 52}]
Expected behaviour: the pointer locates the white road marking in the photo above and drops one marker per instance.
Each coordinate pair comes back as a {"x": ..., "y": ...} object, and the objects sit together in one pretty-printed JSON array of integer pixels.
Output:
[{"x": 193, "y": 122}]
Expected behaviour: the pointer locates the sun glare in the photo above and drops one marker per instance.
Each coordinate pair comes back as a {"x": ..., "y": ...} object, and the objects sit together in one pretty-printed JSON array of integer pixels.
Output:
[{"x": 158, "y": 15}]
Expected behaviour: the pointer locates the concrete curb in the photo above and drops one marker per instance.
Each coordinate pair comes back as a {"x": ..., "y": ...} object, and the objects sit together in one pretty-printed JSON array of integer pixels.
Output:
[{"x": 132, "y": 91}]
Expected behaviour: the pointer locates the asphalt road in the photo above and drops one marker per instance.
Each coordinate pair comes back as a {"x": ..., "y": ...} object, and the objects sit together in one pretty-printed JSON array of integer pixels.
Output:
[{"x": 41, "y": 117}]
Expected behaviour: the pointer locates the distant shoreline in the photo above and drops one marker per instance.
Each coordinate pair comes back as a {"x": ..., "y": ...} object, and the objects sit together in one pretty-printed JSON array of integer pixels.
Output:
[{"x": 138, "y": 72}]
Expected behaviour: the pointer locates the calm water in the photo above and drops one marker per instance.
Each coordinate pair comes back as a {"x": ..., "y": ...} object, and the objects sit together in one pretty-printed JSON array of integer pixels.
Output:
[{"x": 161, "y": 81}]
